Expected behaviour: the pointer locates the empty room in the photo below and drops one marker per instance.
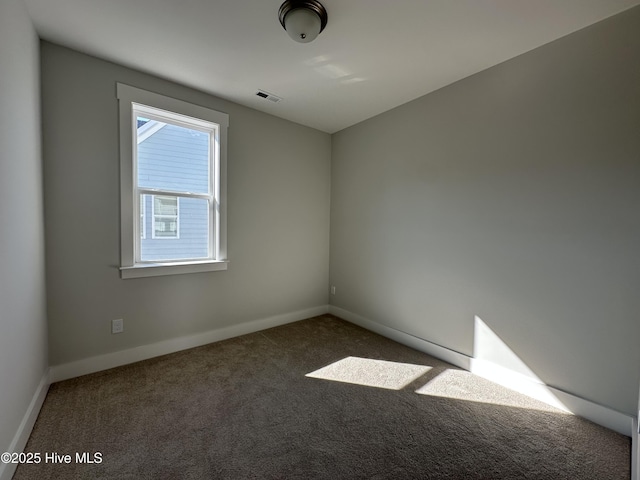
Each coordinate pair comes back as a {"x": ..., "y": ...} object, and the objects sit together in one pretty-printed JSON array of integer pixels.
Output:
[{"x": 319, "y": 239}]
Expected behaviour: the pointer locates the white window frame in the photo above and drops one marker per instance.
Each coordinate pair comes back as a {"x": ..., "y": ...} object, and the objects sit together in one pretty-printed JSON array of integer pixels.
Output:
[
  {"x": 130, "y": 265},
  {"x": 143, "y": 217}
]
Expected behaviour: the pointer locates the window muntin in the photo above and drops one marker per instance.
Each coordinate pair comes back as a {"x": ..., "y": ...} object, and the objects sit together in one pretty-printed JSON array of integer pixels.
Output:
[{"x": 181, "y": 182}]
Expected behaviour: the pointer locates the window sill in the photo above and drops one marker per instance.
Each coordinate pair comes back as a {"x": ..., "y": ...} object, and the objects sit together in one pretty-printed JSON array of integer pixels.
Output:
[{"x": 176, "y": 268}]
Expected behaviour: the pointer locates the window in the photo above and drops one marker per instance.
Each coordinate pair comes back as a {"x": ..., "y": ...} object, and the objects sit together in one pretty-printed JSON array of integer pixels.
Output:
[
  {"x": 173, "y": 165},
  {"x": 165, "y": 217}
]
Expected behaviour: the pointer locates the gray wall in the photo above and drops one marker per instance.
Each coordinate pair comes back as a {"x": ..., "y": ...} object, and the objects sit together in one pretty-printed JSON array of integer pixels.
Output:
[
  {"x": 513, "y": 195},
  {"x": 278, "y": 218},
  {"x": 23, "y": 329}
]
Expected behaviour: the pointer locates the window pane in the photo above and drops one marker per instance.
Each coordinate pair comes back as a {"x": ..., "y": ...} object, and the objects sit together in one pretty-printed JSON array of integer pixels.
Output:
[
  {"x": 165, "y": 227},
  {"x": 165, "y": 205},
  {"x": 171, "y": 157},
  {"x": 178, "y": 236}
]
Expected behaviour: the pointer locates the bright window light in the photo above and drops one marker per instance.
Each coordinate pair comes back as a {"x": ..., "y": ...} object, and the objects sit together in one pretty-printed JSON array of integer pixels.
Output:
[
  {"x": 463, "y": 385},
  {"x": 494, "y": 360}
]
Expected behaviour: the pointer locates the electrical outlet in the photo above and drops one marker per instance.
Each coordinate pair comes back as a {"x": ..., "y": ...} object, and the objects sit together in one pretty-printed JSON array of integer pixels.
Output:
[
  {"x": 333, "y": 289},
  {"x": 117, "y": 326}
]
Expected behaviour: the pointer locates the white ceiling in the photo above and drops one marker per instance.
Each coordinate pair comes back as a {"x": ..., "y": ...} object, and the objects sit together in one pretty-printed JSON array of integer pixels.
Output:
[{"x": 374, "y": 54}]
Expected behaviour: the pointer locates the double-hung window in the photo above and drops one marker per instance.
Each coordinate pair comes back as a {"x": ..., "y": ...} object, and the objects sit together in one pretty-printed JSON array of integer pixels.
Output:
[{"x": 172, "y": 185}]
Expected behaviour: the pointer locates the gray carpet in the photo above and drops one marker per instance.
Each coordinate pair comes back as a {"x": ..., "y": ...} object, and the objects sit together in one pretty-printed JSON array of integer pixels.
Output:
[{"x": 314, "y": 399}]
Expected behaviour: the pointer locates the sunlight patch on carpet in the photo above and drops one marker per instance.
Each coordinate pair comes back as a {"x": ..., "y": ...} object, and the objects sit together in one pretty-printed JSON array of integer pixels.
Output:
[
  {"x": 371, "y": 373},
  {"x": 463, "y": 385}
]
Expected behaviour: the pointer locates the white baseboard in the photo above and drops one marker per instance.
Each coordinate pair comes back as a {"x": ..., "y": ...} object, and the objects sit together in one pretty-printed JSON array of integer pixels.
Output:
[
  {"x": 26, "y": 425},
  {"x": 144, "y": 352},
  {"x": 568, "y": 402},
  {"x": 451, "y": 356},
  {"x": 599, "y": 414}
]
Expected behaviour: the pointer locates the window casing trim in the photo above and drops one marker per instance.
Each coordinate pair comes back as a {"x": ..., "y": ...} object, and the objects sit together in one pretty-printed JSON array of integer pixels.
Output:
[{"x": 129, "y": 209}]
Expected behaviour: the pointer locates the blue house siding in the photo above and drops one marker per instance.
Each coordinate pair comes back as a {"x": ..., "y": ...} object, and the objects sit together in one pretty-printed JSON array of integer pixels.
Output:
[{"x": 176, "y": 158}]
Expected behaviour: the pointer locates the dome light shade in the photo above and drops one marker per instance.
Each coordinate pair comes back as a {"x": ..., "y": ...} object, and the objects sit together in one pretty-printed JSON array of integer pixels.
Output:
[
  {"x": 303, "y": 19},
  {"x": 302, "y": 25}
]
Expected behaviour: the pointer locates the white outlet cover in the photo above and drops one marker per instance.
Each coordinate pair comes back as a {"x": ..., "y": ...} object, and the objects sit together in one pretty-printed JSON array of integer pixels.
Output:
[{"x": 117, "y": 326}]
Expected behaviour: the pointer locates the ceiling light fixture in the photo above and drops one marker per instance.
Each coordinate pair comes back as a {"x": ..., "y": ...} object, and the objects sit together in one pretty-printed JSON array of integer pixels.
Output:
[{"x": 303, "y": 19}]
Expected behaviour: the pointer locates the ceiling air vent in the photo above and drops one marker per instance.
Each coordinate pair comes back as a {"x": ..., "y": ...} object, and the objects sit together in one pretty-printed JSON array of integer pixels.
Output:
[{"x": 268, "y": 96}]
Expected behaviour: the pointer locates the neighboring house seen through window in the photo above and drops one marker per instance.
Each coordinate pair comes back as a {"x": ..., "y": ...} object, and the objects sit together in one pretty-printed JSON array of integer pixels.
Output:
[
  {"x": 173, "y": 165},
  {"x": 166, "y": 219}
]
